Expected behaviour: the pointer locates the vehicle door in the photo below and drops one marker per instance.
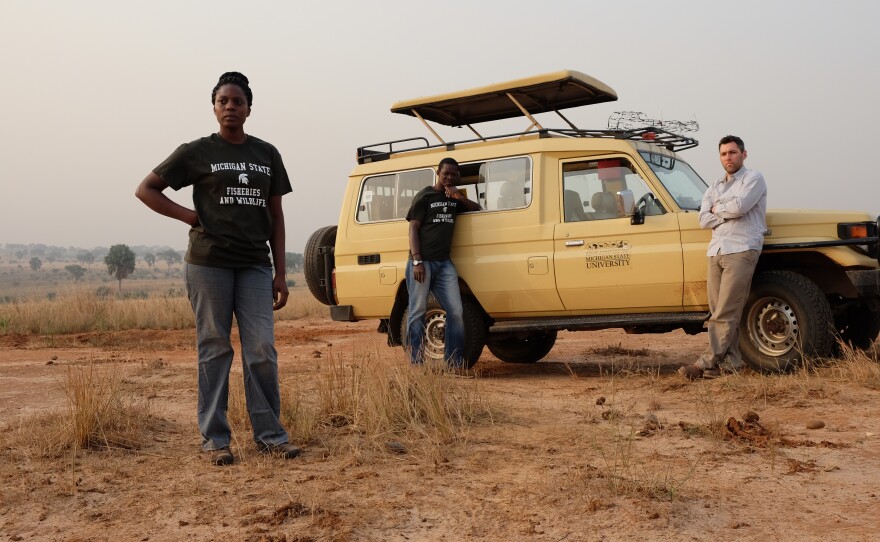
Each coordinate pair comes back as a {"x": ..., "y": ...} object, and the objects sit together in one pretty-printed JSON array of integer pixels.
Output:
[{"x": 603, "y": 262}]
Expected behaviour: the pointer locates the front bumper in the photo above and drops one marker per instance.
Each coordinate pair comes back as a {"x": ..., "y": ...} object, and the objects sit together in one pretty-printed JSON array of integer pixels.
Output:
[{"x": 866, "y": 281}]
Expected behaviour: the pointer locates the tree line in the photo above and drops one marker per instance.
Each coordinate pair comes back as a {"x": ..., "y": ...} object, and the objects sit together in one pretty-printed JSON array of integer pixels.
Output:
[{"x": 121, "y": 261}]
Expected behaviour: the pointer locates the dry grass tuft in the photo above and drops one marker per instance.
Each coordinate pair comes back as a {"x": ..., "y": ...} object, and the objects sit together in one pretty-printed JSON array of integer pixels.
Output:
[
  {"x": 856, "y": 366},
  {"x": 383, "y": 397},
  {"x": 377, "y": 397},
  {"x": 99, "y": 415}
]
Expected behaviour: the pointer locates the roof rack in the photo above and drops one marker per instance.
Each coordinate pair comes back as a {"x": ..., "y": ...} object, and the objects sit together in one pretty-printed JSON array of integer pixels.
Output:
[{"x": 651, "y": 135}]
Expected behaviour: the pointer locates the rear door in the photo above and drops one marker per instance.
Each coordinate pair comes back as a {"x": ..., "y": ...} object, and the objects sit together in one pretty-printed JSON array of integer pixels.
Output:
[{"x": 602, "y": 262}]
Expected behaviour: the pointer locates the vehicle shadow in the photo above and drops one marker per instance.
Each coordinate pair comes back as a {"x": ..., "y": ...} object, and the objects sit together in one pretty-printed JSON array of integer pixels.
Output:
[{"x": 492, "y": 368}]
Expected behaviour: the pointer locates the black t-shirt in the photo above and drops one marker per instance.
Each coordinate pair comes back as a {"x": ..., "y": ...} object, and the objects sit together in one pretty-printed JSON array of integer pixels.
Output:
[
  {"x": 231, "y": 188},
  {"x": 437, "y": 213}
]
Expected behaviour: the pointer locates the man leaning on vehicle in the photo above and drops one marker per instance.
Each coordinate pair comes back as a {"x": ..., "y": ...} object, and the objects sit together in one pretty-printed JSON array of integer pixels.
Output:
[
  {"x": 735, "y": 208},
  {"x": 429, "y": 269}
]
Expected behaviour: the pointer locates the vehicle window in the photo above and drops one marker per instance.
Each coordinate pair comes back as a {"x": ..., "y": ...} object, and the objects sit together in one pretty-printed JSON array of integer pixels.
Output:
[
  {"x": 498, "y": 185},
  {"x": 388, "y": 197},
  {"x": 680, "y": 180},
  {"x": 495, "y": 184},
  {"x": 591, "y": 190}
]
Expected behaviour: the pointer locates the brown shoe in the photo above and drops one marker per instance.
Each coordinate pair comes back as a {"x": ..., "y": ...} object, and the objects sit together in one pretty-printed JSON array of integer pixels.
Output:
[
  {"x": 285, "y": 450},
  {"x": 222, "y": 456},
  {"x": 691, "y": 372}
]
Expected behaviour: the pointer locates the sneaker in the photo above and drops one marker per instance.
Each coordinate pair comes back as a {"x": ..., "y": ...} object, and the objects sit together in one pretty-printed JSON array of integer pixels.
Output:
[
  {"x": 691, "y": 372},
  {"x": 285, "y": 450},
  {"x": 222, "y": 456}
]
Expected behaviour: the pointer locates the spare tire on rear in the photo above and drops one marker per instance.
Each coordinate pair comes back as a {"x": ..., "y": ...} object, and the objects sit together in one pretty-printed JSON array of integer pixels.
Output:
[{"x": 313, "y": 262}]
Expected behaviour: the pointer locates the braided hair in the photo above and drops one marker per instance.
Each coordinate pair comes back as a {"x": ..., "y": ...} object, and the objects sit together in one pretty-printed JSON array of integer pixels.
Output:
[{"x": 234, "y": 78}]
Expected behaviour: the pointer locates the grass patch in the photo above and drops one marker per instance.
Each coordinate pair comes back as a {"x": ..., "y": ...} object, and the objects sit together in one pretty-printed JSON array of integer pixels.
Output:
[
  {"x": 99, "y": 415},
  {"x": 379, "y": 398},
  {"x": 79, "y": 310},
  {"x": 857, "y": 366}
]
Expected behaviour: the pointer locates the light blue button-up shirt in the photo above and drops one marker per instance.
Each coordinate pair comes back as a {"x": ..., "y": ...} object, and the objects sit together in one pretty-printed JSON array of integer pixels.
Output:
[{"x": 739, "y": 221}]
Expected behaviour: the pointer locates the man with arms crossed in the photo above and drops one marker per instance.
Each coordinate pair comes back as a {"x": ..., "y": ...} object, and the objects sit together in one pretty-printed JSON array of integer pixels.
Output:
[
  {"x": 734, "y": 207},
  {"x": 429, "y": 270}
]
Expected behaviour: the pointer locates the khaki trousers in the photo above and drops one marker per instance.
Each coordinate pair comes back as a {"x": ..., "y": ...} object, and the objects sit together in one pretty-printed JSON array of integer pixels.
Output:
[{"x": 728, "y": 283}]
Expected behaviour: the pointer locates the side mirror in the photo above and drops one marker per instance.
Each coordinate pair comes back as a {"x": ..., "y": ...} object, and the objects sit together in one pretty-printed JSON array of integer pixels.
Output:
[{"x": 625, "y": 202}]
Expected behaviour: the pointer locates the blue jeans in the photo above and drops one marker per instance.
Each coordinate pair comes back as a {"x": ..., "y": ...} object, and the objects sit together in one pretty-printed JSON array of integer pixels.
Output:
[
  {"x": 441, "y": 279},
  {"x": 216, "y": 294}
]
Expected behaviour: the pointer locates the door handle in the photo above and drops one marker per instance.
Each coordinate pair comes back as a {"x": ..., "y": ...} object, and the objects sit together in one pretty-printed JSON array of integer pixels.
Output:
[{"x": 578, "y": 243}]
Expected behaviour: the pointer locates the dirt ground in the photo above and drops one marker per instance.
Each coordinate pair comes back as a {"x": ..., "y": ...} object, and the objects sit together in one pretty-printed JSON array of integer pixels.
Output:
[{"x": 599, "y": 441}]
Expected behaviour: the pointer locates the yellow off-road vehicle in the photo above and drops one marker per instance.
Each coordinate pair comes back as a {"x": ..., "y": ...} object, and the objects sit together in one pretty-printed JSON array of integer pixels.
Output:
[{"x": 582, "y": 229}]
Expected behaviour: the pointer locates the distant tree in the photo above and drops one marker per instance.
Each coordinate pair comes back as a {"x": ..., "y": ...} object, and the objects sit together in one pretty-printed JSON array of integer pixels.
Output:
[
  {"x": 120, "y": 262},
  {"x": 54, "y": 255},
  {"x": 20, "y": 254},
  {"x": 294, "y": 261},
  {"x": 86, "y": 257},
  {"x": 150, "y": 258},
  {"x": 169, "y": 256},
  {"x": 36, "y": 263},
  {"x": 76, "y": 270}
]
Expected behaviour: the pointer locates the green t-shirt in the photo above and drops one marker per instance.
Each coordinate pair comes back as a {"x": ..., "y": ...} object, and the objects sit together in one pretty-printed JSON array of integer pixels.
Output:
[
  {"x": 231, "y": 188},
  {"x": 437, "y": 213}
]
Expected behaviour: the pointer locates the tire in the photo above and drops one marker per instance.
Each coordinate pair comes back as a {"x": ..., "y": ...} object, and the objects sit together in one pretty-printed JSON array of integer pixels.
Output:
[
  {"x": 313, "y": 262},
  {"x": 786, "y": 320},
  {"x": 860, "y": 327},
  {"x": 475, "y": 330},
  {"x": 523, "y": 349}
]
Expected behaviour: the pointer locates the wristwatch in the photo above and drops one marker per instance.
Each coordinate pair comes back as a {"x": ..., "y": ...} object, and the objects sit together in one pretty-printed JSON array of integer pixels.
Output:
[{"x": 417, "y": 262}]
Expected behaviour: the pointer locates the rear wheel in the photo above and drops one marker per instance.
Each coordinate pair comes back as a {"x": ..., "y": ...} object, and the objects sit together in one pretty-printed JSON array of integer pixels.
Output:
[
  {"x": 786, "y": 318},
  {"x": 435, "y": 331},
  {"x": 313, "y": 262},
  {"x": 525, "y": 348}
]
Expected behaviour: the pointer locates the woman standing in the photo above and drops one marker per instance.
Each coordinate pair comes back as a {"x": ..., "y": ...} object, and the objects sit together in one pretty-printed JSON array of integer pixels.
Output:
[{"x": 237, "y": 183}]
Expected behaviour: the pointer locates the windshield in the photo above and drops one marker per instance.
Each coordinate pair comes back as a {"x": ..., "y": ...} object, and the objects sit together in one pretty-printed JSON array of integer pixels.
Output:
[{"x": 680, "y": 180}]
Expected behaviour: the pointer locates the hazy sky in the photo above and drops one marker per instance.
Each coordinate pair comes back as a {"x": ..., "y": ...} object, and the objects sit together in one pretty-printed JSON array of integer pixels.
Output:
[{"x": 97, "y": 93}]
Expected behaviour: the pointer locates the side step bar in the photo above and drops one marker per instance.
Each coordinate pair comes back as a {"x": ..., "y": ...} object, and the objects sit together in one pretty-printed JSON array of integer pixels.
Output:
[{"x": 605, "y": 321}]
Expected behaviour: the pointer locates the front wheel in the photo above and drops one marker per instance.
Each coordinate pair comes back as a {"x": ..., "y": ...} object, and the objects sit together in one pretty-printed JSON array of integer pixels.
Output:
[
  {"x": 786, "y": 319},
  {"x": 435, "y": 331},
  {"x": 528, "y": 348}
]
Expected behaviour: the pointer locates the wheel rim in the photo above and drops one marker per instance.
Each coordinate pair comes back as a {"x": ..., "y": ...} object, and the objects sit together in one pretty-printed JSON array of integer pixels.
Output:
[
  {"x": 773, "y": 326},
  {"x": 435, "y": 333}
]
